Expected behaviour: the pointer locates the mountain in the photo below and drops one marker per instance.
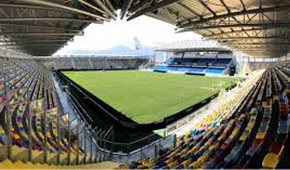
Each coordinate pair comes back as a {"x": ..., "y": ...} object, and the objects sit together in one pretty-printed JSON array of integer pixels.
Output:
[{"x": 117, "y": 50}]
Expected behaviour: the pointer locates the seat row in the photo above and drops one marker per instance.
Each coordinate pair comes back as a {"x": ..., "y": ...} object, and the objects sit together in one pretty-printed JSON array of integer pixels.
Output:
[
  {"x": 93, "y": 63},
  {"x": 250, "y": 131},
  {"x": 30, "y": 117}
]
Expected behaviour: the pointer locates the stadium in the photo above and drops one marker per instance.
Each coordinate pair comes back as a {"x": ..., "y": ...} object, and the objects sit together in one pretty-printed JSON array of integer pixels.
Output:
[{"x": 216, "y": 103}]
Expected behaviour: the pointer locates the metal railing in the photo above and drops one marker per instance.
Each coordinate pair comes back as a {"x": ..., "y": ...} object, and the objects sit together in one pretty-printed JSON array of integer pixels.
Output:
[{"x": 106, "y": 149}]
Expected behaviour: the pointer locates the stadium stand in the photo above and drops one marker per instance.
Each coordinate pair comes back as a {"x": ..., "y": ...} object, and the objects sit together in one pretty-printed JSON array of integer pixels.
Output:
[
  {"x": 248, "y": 131},
  {"x": 81, "y": 64},
  {"x": 252, "y": 134},
  {"x": 259, "y": 65},
  {"x": 203, "y": 57},
  {"x": 93, "y": 63},
  {"x": 33, "y": 129},
  {"x": 200, "y": 65}
]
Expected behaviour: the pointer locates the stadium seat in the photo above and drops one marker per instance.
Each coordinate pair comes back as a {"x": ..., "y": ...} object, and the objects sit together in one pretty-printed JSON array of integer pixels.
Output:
[{"x": 270, "y": 161}]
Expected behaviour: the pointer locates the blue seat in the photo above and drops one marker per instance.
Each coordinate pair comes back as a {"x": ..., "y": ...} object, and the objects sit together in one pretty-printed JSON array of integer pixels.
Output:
[
  {"x": 188, "y": 155},
  {"x": 208, "y": 165},
  {"x": 3, "y": 139},
  {"x": 214, "y": 70},
  {"x": 160, "y": 67},
  {"x": 244, "y": 160},
  {"x": 220, "y": 165}
]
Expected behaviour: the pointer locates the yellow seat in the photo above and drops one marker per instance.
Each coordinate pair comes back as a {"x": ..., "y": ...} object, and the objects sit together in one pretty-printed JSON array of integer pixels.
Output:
[
  {"x": 196, "y": 164},
  {"x": 270, "y": 161},
  {"x": 173, "y": 165},
  {"x": 187, "y": 163},
  {"x": 244, "y": 137},
  {"x": 193, "y": 150},
  {"x": 221, "y": 137},
  {"x": 215, "y": 146},
  {"x": 203, "y": 159},
  {"x": 260, "y": 135},
  {"x": 169, "y": 161},
  {"x": 206, "y": 145}
]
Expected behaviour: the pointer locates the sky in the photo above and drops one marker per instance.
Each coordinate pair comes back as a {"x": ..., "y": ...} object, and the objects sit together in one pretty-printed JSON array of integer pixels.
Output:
[{"x": 149, "y": 31}]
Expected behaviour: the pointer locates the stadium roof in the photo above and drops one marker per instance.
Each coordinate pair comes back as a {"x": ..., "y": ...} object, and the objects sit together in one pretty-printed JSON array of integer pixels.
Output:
[
  {"x": 193, "y": 46},
  {"x": 41, "y": 27}
]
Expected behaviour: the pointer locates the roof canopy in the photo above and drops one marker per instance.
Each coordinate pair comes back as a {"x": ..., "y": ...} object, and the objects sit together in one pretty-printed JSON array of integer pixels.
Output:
[
  {"x": 193, "y": 46},
  {"x": 41, "y": 27},
  {"x": 257, "y": 27}
]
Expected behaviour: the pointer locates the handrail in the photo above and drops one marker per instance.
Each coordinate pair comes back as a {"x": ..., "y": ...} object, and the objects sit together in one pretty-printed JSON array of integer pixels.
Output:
[{"x": 72, "y": 97}]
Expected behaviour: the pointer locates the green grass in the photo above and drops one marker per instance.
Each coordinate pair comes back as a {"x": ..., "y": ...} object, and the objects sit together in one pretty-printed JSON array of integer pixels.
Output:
[{"x": 147, "y": 96}]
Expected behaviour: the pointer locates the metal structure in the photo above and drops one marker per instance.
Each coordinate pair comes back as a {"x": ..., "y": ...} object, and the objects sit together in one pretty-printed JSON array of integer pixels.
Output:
[{"x": 231, "y": 22}]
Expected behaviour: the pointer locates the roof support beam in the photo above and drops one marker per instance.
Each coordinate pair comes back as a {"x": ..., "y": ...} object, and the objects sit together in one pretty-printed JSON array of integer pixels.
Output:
[
  {"x": 38, "y": 34},
  {"x": 255, "y": 41},
  {"x": 251, "y": 37},
  {"x": 125, "y": 8},
  {"x": 239, "y": 31},
  {"x": 243, "y": 4},
  {"x": 110, "y": 5},
  {"x": 91, "y": 6},
  {"x": 33, "y": 41},
  {"x": 268, "y": 25},
  {"x": 50, "y": 38},
  {"x": 152, "y": 8},
  {"x": 192, "y": 11},
  {"x": 104, "y": 7},
  {"x": 261, "y": 49},
  {"x": 35, "y": 7},
  {"x": 36, "y": 44},
  {"x": 37, "y": 26},
  {"x": 207, "y": 7},
  {"x": 40, "y": 48},
  {"x": 261, "y": 46},
  {"x": 262, "y": 43},
  {"x": 50, "y": 19},
  {"x": 30, "y": 49},
  {"x": 139, "y": 5},
  {"x": 233, "y": 14},
  {"x": 56, "y": 5}
]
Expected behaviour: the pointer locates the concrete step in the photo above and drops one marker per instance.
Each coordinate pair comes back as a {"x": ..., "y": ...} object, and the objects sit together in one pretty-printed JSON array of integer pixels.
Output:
[
  {"x": 73, "y": 159},
  {"x": 3, "y": 153},
  {"x": 63, "y": 159},
  {"x": 52, "y": 159},
  {"x": 19, "y": 154},
  {"x": 37, "y": 156}
]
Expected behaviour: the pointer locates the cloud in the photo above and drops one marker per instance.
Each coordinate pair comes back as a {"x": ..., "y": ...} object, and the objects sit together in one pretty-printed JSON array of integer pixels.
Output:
[{"x": 149, "y": 31}]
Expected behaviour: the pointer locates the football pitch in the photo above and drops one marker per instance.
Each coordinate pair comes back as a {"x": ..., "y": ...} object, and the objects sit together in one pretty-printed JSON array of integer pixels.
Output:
[{"x": 144, "y": 96}]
